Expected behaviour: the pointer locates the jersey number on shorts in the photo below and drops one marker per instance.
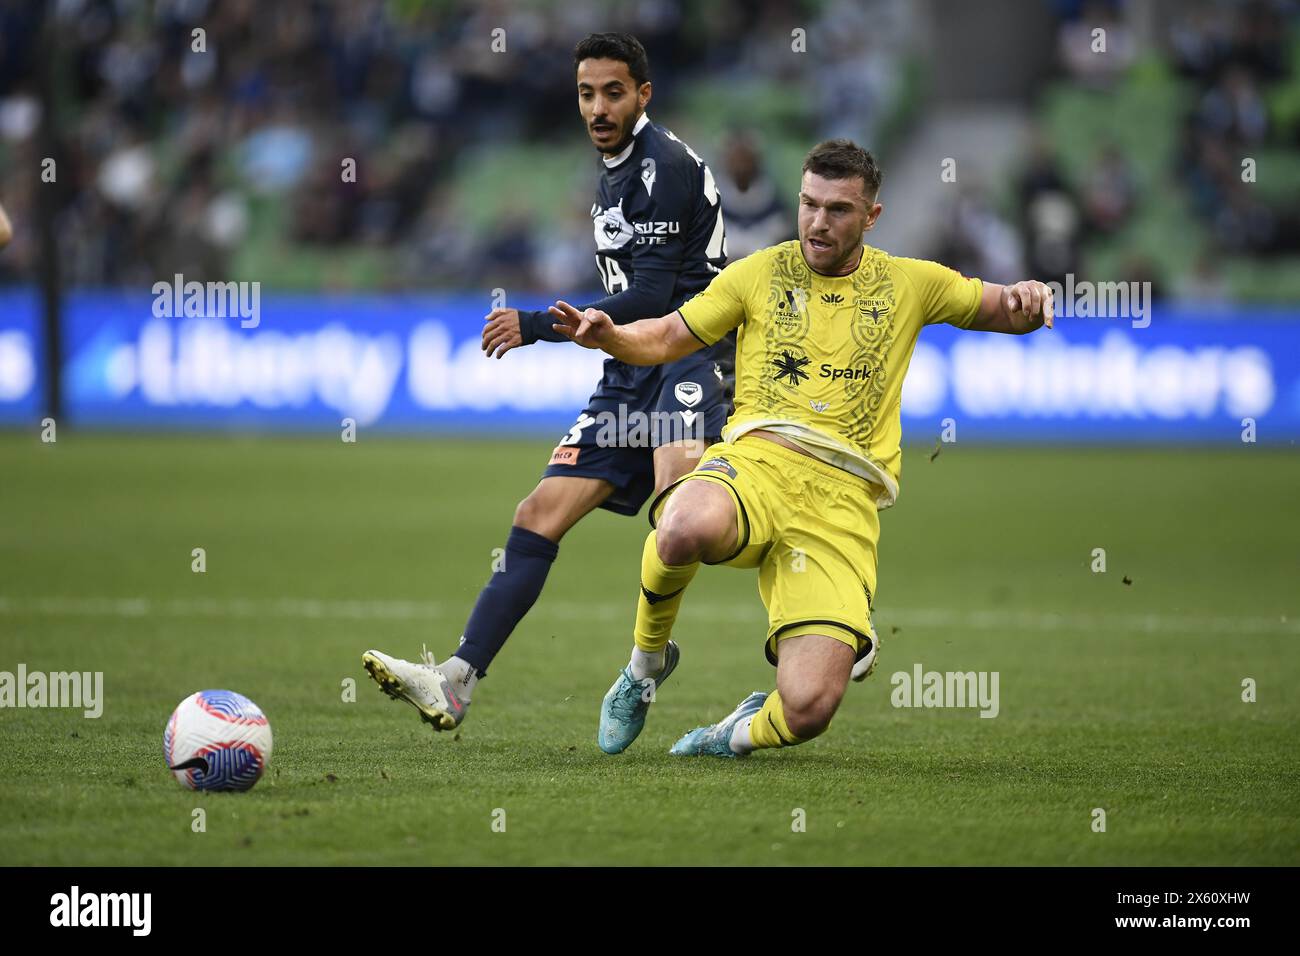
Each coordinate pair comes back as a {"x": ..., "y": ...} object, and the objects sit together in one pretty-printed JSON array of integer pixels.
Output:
[{"x": 575, "y": 433}]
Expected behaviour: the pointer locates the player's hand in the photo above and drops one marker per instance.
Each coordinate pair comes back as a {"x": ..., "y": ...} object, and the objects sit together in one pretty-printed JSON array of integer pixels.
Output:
[
  {"x": 501, "y": 333},
  {"x": 1029, "y": 304},
  {"x": 591, "y": 329}
]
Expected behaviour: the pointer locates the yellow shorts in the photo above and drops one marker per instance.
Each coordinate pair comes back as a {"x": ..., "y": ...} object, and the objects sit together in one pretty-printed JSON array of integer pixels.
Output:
[{"x": 811, "y": 530}]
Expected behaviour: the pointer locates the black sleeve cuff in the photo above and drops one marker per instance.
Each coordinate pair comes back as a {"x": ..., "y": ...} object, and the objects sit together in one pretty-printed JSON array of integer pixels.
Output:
[{"x": 535, "y": 326}]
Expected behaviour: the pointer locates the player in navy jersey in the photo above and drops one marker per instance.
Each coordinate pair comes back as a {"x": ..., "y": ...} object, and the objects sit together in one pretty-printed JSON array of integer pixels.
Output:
[{"x": 660, "y": 239}]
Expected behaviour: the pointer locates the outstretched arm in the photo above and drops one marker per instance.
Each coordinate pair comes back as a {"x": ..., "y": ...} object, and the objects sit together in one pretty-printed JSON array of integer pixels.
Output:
[
  {"x": 6, "y": 230},
  {"x": 650, "y": 293},
  {"x": 1014, "y": 309},
  {"x": 645, "y": 342}
]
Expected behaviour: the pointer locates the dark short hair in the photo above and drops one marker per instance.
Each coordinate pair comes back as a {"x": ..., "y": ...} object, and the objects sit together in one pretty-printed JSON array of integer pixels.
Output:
[
  {"x": 844, "y": 159},
  {"x": 615, "y": 46}
]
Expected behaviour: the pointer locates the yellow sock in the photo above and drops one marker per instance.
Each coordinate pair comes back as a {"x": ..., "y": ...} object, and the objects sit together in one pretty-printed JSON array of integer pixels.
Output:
[
  {"x": 769, "y": 729},
  {"x": 656, "y": 613}
]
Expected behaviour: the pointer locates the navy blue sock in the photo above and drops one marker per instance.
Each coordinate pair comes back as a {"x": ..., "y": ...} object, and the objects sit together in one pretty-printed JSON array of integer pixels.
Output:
[{"x": 506, "y": 598}]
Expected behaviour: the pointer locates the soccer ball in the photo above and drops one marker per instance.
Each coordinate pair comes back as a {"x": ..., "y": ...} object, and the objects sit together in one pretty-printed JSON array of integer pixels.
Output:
[{"x": 217, "y": 740}]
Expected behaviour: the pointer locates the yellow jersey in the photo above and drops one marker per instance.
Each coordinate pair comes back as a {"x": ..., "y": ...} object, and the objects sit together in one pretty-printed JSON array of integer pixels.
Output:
[{"x": 820, "y": 360}]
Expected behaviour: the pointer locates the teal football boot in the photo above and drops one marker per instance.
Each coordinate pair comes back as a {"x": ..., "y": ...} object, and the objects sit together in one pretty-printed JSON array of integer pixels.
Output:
[
  {"x": 715, "y": 740},
  {"x": 622, "y": 712}
]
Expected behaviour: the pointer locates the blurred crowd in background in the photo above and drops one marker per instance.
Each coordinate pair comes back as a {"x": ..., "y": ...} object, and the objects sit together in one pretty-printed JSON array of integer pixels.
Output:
[
  {"x": 1215, "y": 115},
  {"x": 472, "y": 167}
]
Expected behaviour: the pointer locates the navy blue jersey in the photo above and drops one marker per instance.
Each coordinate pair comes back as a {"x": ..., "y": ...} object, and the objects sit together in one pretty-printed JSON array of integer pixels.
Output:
[
  {"x": 660, "y": 239},
  {"x": 658, "y": 209}
]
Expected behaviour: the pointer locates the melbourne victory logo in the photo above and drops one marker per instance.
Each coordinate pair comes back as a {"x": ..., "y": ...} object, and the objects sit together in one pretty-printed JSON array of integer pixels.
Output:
[{"x": 611, "y": 227}]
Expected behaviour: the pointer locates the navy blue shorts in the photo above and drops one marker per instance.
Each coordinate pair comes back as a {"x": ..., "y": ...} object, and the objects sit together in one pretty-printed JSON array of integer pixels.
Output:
[{"x": 635, "y": 409}]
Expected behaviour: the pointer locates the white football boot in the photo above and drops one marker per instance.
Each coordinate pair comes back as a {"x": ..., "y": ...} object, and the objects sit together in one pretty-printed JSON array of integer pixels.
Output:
[
  {"x": 866, "y": 663},
  {"x": 423, "y": 686}
]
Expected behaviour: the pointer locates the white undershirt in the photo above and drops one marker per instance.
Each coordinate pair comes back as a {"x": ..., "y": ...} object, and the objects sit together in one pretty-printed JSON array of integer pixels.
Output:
[{"x": 824, "y": 448}]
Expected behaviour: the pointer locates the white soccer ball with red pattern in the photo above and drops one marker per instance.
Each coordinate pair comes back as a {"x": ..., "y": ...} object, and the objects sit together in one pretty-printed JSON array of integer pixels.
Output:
[{"x": 217, "y": 740}]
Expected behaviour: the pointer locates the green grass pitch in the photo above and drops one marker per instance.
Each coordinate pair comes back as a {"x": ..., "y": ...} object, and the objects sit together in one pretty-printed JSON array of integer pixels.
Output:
[{"x": 1125, "y": 697}]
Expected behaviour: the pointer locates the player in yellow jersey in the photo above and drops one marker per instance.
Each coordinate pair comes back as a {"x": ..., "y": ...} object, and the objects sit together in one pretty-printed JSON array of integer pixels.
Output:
[{"x": 826, "y": 328}]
